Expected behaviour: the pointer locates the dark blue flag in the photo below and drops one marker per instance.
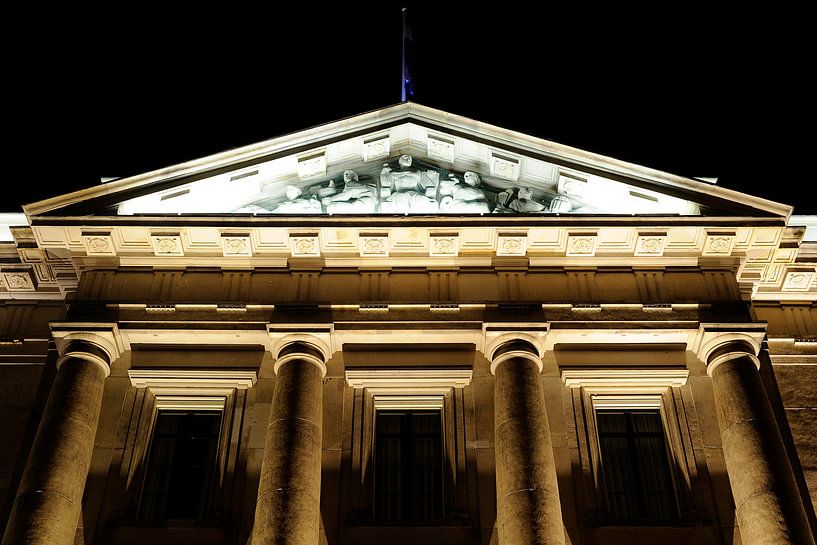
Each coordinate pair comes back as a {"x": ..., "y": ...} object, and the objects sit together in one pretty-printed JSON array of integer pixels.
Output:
[{"x": 408, "y": 62}]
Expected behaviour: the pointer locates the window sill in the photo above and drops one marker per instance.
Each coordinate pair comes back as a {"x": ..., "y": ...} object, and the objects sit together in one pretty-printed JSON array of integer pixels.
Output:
[
  {"x": 688, "y": 520},
  {"x": 133, "y": 534}
]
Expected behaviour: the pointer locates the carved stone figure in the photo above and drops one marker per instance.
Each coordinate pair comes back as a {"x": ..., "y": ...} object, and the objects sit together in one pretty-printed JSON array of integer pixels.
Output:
[
  {"x": 463, "y": 196},
  {"x": 356, "y": 198},
  {"x": 408, "y": 190},
  {"x": 560, "y": 204},
  {"x": 524, "y": 201},
  {"x": 295, "y": 204}
]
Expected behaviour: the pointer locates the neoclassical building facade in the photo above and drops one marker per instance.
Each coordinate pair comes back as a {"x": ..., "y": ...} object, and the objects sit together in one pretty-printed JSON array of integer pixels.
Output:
[{"x": 408, "y": 327}]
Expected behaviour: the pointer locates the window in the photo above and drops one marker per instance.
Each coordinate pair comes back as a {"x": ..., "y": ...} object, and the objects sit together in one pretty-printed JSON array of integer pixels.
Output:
[
  {"x": 181, "y": 465},
  {"x": 408, "y": 465},
  {"x": 636, "y": 468}
]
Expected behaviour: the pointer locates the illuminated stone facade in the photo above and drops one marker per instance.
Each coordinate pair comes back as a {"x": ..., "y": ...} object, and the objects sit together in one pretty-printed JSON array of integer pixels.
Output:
[{"x": 409, "y": 261}]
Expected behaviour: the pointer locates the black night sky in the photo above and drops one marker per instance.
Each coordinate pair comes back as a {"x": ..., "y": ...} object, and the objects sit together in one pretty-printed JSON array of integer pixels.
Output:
[{"x": 684, "y": 89}]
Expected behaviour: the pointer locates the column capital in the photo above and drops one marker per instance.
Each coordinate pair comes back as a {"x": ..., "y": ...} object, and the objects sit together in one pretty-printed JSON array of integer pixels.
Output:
[
  {"x": 98, "y": 343},
  {"x": 516, "y": 346},
  {"x": 301, "y": 346},
  {"x": 718, "y": 343}
]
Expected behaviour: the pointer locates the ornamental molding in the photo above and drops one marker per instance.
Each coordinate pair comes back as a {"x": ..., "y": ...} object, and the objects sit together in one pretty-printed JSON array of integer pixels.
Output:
[
  {"x": 601, "y": 379},
  {"x": 185, "y": 380},
  {"x": 753, "y": 246},
  {"x": 768, "y": 268},
  {"x": 402, "y": 379}
]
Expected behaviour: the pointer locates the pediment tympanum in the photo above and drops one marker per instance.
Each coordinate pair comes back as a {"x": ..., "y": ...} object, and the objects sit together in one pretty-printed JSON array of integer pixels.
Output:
[{"x": 405, "y": 184}]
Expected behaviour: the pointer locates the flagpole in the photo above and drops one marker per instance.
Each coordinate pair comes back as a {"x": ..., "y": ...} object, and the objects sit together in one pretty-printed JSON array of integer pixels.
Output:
[{"x": 403, "y": 75}]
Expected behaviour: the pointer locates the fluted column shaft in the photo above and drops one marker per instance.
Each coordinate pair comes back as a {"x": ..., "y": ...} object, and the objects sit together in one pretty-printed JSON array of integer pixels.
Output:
[
  {"x": 528, "y": 507},
  {"x": 287, "y": 510},
  {"x": 769, "y": 509},
  {"x": 49, "y": 500}
]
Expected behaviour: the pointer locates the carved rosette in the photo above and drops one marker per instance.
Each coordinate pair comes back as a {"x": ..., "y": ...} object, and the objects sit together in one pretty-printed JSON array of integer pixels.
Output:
[
  {"x": 98, "y": 244},
  {"x": 312, "y": 166},
  {"x": 572, "y": 186},
  {"x": 440, "y": 149},
  {"x": 718, "y": 245},
  {"x": 18, "y": 281},
  {"x": 511, "y": 245},
  {"x": 504, "y": 168},
  {"x": 798, "y": 281},
  {"x": 650, "y": 245},
  {"x": 167, "y": 245},
  {"x": 373, "y": 149},
  {"x": 374, "y": 246},
  {"x": 305, "y": 247},
  {"x": 443, "y": 246},
  {"x": 581, "y": 245},
  {"x": 233, "y": 246}
]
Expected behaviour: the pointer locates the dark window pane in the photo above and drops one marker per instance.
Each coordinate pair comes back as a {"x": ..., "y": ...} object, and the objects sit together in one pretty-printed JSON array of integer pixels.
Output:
[
  {"x": 636, "y": 468},
  {"x": 180, "y": 465},
  {"x": 408, "y": 465}
]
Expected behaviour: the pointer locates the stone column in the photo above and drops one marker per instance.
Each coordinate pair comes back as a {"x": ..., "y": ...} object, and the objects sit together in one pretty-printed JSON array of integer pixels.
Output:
[
  {"x": 769, "y": 509},
  {"x": 49, "y": 500},
  {"x": 527, "y": 492},
  {"x": 287, "y": 510}
]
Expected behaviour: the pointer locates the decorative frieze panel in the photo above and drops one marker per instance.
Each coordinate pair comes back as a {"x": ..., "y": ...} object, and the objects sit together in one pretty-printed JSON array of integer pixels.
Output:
[
  {"x": 718, "y": 244},
  {"x": 650, "y": 245},
  {"x": 770, "y": 268},
  {"x": 304, "y": 245},
  {"x": 581, "y": 245},
  {"x": 512, "y": 244},
  {"x": 375, "y": 148},
  {"x": 374, "y": 245},
  {"x": 439, "y": 148},
  {"x": 572, "y": 186},
  {"x": 313, "y": 165},
  {"x": 98, "y": 244},
  {"x": 798, "y": 280},
  {"x": 443, "y": 245},
  {"x": 167, "y": 245},
  {"x": 236, "y": 245},
  {"x": 505, "y": 167},
  {"x": 18, "y": 280}
]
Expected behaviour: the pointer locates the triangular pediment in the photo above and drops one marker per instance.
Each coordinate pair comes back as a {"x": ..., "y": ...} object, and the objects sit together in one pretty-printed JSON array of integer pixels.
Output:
[{"x": 408, "y": 160}]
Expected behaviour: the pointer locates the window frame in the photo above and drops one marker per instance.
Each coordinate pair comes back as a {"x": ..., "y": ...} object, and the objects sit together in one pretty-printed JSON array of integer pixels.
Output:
[
  {"x": 213, "y": 470},
  {"x": 408, "y": 389},
  {"x": 222, "y": 391},
  {"x": 389, "y": 407},
  {"x": 602, "y": 403},
  {"x": 663, "y": 389}
]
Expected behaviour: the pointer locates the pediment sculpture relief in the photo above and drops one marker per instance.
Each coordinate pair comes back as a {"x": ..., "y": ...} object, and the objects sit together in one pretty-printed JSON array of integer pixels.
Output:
[
  {"x": 403, "y": 185},
  {"x": 407, "y": 186}
]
